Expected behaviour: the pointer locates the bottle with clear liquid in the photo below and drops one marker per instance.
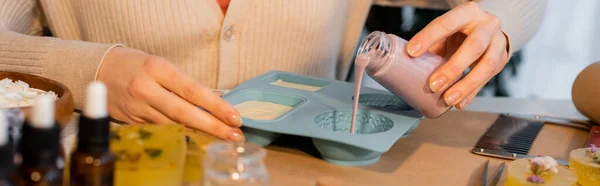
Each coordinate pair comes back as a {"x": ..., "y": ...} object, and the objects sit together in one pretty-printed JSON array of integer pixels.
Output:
[
  {"x": 382, "y": 56},
  {"x": 228, "y": 164}
]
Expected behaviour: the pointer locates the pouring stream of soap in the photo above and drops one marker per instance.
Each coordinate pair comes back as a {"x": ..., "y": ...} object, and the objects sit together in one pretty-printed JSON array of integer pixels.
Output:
[{"x": 361, "y": 63}]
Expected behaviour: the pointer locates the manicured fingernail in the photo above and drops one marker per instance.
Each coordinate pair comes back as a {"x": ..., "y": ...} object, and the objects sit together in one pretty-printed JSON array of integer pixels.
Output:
[
  {"x": 413, "y": 47},
  {"x": 235, "y": 120},
  {"x": 236, "y": 136},
  {"x": 463, "y": 103},
  {"x": 452, "y": 98},
  {"x": 438, "y": 83}
]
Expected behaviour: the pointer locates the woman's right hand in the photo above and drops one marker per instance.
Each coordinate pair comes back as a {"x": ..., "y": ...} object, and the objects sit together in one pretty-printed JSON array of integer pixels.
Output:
[{"x": 143, "y": 88}]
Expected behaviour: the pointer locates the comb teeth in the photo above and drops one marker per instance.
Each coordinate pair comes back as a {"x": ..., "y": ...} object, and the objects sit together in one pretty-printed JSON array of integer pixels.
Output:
[{"x": 510, "y": 135}]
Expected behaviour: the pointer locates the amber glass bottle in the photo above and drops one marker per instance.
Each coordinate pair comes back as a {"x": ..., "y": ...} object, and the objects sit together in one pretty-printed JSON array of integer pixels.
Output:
[
  {"x": 40, "y": 147},
  {"x": 92, "y": 163}
]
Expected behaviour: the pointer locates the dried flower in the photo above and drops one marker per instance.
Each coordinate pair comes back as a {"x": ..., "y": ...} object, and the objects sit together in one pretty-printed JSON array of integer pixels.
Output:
[
  {"x": 592, "y": 152},
  {"x": 535, "y": 179},
  {"x": 541, "y": 165}
]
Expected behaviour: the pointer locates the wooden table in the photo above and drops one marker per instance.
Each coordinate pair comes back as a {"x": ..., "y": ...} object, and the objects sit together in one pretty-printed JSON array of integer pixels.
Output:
[{"x": 436, "y": 153}]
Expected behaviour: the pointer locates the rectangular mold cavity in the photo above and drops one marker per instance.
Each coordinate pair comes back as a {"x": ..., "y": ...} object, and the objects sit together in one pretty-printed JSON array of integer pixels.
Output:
[
  {"x": 264, "y": 105},
  {"x": 297, "y": 82}
]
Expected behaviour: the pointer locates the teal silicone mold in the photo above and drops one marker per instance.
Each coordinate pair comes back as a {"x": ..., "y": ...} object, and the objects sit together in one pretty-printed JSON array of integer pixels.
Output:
[{"x": 325, "y": 116}]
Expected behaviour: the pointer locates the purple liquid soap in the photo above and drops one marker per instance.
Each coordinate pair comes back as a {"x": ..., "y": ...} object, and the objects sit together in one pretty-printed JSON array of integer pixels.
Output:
[
  {"x": 384, "y": 59},
  {"x": 360, "y": 64}
]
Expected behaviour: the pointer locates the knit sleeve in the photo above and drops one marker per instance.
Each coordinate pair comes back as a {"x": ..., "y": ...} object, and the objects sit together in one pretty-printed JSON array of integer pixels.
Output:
[
  {"x": 73, "y": 63},
  {"x": 520, "y": 19}
]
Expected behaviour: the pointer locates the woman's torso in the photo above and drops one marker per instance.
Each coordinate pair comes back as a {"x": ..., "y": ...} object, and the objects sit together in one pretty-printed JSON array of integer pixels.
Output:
[{"x": 311, "y": 37}]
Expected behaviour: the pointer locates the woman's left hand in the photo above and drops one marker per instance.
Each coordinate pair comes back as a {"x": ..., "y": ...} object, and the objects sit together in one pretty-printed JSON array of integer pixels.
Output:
[{"x": 468, "y": 37}]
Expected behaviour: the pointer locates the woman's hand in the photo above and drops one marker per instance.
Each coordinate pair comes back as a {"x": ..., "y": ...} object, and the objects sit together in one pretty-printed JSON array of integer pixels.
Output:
[
  {"x": 468, "y": 37},
  {"x": 148, "y": 89}
]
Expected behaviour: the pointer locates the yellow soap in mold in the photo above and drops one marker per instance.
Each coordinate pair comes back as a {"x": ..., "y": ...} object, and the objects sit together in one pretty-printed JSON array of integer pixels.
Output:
[
  {"x": 518, "y": 171},
  {"x": 262, "y": 110},
  {"x": 148, "y": 155},
  {"x": 582, "y": 163}
]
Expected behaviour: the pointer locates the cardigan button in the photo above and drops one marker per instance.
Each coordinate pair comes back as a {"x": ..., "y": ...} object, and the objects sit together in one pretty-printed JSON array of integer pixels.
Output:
[{"x": 228, "y": 33}]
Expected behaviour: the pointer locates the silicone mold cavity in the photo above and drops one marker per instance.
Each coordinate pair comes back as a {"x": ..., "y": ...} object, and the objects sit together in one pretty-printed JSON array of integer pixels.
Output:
[
  {"x": 260, "y": 137},
  {"x": 366, "y": 122},
  {"x": 344, "y": 154}
]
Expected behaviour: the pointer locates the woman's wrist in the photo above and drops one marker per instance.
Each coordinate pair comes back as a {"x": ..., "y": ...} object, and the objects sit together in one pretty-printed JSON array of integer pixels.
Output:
[{"x": 104, "y": 58}]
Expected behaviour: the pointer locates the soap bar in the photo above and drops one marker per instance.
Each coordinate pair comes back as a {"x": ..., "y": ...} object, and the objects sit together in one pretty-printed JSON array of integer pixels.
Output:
[
  {"x": 148, "y": 155},
  {"x": 584, "y": 166},
  {"x": 518, "y": 172},
  {"x": 192, "y": 172},
  {"x": 261, "y": 110}
]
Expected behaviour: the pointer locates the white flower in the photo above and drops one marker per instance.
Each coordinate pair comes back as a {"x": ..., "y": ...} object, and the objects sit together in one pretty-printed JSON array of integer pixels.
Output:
[
  {"x": 544, "y": 164},
  {"x": 17, "y": 94}
]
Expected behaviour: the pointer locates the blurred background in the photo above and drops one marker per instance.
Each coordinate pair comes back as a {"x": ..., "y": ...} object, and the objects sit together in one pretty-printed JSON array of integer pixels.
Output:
[
  {"x": 566, "y": 43},
  {"x": 545, "y": 68}
]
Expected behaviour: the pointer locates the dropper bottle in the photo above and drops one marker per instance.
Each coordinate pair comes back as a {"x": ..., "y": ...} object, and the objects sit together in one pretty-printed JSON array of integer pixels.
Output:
[
  {"x": 92, "y": 163},
  {"x": 6, "y": 153},
  {"x": 40, "y": 147}
]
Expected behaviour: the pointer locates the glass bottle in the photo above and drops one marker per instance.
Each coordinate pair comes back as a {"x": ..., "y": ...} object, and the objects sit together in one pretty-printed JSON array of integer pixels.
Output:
[
  {"x": 40, "y": 147},
  {"x": 93, "y": 164},
  {"x": 404, "y": 76},
  {"x": 228, "y": 164}
]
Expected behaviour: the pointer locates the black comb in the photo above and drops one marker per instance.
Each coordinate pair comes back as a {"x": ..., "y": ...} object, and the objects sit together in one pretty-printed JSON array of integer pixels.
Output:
[{"x": 510, "y": 138}]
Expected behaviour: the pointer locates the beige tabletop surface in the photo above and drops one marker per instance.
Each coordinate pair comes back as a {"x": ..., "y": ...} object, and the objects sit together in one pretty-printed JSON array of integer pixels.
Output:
[{"x": 436, "y": 153}]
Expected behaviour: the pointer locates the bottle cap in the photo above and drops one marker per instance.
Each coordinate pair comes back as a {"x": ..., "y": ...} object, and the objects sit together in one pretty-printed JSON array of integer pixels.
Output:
[
  {"x": 94, "y": 126},
  {"x": 42, "y": 115},
  {"x": 95, "y": 103}
]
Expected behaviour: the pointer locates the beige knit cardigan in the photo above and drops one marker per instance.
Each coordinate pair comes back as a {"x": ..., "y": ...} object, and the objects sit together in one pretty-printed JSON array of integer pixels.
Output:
[{"x": 312, "y": 37}]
